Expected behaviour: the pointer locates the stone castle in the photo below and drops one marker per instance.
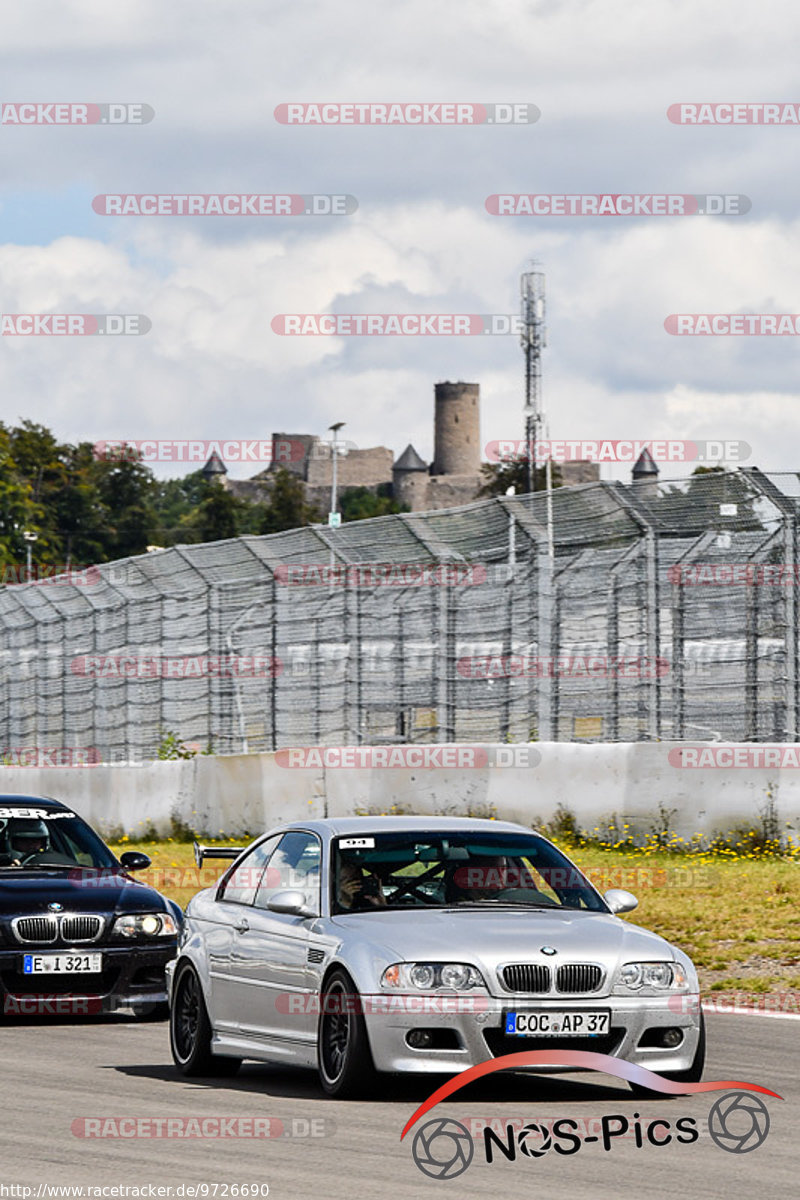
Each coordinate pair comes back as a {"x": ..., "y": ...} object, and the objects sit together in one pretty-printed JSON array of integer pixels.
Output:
[{"x": 453, "y": 478}]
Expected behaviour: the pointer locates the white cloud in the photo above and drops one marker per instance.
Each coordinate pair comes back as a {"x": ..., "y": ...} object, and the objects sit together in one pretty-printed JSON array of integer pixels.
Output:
[{"x": 603, "y": 74}]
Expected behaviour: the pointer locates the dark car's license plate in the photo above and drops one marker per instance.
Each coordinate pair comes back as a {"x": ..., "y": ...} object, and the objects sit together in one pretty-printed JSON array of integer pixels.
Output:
[{"x": 558, "y": 1023}]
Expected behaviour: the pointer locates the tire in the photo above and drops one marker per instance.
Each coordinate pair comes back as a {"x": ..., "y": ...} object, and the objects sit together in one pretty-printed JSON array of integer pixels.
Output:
[
  {"x": 190, "y": 1031},
  {"x": 692, "y": 1074},
  {"x": 344, "y": 1059}
]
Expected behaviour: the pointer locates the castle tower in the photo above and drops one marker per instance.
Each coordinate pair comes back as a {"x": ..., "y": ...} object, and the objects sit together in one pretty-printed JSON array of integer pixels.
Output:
[
  {"x": 457, "y": 429},
  {"x": 215, "y": 470},
  {"x": 645, "y": 475},
  {"x": 410, "y": 480}
]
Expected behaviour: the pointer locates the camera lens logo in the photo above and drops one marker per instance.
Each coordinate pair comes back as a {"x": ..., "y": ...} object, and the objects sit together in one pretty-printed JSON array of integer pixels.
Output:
[
  {"x": 738, "y": 1122},
  {"x": 443, "y": 1149},
  {"x": 529, "y": 1147}
]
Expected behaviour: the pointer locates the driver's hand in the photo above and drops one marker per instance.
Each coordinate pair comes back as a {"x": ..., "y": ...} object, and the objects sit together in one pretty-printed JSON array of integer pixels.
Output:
[{"x": 350, "y": 890}]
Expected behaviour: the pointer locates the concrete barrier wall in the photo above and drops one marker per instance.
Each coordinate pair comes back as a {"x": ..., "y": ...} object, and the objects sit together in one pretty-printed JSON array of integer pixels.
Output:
[{"x": 636, "y": 783}]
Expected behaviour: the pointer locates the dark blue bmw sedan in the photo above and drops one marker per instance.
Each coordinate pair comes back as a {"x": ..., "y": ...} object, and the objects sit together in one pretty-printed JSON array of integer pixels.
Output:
[{"x": 78, "y": 933}]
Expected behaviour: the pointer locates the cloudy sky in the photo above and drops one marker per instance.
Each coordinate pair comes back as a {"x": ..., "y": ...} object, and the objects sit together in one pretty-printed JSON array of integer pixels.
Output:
[{"x": 602, "y": 72}]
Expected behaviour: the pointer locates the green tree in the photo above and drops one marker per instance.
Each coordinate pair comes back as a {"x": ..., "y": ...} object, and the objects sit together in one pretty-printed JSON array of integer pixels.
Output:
[
  {"x": 126, "y": 492},
  {"x": 499, "y": 477},
  {"x": 175, "y": 502},
  {"x": 287, "y": 507},
  {"x": 359, "y": 503},
  {"x": 219, "y": 514},
  {"x": 18, "y": 510}
]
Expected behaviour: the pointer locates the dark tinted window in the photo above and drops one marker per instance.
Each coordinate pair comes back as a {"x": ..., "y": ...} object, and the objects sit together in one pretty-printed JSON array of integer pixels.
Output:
[
  {"x": 439, "y": 870},
  {"x": 40, "y": 837}
]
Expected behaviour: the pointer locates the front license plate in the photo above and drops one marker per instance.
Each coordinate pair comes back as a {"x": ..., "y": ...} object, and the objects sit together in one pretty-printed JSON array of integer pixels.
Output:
[
  {"x": 62, "y": 964},
  {"x": 586, "y": 1023}
]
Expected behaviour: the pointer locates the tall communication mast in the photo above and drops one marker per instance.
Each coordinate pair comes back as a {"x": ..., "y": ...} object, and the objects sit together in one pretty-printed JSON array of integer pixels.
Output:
[{"x": 533, "y": 337}]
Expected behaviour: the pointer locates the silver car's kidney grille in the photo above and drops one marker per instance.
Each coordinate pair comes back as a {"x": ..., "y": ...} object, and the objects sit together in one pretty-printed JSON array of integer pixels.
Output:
[
  {"x": 35, "y": 929},
  {"x": 527, "y": 977},
  {"x": 578, "y": 977},
  {"x": 81, "y": 928}
]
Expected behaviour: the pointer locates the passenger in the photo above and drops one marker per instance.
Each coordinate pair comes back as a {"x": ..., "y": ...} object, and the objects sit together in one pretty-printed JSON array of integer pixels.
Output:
[{"x": 495, "y": 879}]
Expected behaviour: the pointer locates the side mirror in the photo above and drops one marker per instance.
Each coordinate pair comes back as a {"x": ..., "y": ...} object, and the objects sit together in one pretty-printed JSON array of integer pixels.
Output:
[
  {"x": 291, "y": 903},
  {"x": 620, "y": 901},
  {"x": 134, "y": 860}
]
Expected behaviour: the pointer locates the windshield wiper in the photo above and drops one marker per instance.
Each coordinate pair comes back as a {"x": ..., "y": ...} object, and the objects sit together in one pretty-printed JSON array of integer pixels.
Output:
[{"x": 34, "y": 866}]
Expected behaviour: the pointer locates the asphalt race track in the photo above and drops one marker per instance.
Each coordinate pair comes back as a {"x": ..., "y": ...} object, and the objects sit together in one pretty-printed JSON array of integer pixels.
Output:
[{"x": 59, "y": 1072}]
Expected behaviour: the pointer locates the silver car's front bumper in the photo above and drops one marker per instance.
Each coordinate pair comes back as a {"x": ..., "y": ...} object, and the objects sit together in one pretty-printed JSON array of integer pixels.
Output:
[{"x": 479, "y": 1035}]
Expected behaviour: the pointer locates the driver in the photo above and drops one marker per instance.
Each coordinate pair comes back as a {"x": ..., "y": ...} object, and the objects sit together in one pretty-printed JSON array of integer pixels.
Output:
[
  {"x": 26, "y": 838},
  {"x": 357, "y": 890}
]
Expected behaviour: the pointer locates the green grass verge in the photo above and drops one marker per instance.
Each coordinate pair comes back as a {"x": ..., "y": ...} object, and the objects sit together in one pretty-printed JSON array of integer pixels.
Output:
[{"x": 738, "y": 919}]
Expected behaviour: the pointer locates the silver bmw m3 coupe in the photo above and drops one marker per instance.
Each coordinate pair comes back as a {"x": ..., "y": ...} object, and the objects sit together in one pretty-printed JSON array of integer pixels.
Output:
[{"x": 363, "y": 946}]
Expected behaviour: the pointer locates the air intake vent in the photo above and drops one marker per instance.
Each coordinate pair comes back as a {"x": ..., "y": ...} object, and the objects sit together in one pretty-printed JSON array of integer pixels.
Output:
[
  {"x": 316, "y": 956},
  {"x": 579, "y": 977},
  {"x": 527, "y": 977}
]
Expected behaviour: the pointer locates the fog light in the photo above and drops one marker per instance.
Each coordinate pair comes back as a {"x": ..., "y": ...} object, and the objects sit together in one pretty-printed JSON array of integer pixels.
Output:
[
  {"x": 672, "y": 1038},
  {"x": 419, "y": 1039}
]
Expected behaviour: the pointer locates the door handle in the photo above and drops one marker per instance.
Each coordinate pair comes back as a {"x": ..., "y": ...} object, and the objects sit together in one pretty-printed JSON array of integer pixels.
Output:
[{"x": 243, "y": 926}]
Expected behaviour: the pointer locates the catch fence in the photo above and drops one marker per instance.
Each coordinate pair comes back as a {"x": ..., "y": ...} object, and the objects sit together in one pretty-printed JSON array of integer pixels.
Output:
[{"x": 666, "y": 611}]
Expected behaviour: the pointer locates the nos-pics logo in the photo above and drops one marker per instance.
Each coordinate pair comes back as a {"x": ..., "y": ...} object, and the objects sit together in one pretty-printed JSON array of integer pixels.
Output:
[{"x": 444, "y": 1148}]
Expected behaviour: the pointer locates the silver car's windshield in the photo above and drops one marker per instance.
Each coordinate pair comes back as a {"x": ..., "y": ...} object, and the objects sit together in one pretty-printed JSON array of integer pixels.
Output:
[{"x": 422, "y": 870}]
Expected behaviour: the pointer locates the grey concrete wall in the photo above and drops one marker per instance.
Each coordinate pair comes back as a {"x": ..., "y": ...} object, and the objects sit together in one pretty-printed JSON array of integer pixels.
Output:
[{"x": 249, "y": 793}]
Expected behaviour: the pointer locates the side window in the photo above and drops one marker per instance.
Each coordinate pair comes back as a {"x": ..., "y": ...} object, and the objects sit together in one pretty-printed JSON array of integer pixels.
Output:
[
  {"x": 241, "y": 885},
  {"x": 293, "y": 867}
]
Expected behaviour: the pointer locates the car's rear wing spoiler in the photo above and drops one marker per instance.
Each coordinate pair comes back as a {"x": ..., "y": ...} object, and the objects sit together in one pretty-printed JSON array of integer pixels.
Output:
[{"x": 203, "y": 852}]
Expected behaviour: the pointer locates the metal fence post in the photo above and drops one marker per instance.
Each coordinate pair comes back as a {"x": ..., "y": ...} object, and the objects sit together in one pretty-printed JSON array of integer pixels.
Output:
[{"x": 547, "y": 627}]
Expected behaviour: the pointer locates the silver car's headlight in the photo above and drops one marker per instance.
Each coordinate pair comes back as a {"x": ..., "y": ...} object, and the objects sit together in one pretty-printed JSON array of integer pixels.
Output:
[
  {"x": 429, "y": 977},
  {"x": 651, "y": 977},
  {"x": 152, "y": 924}
]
